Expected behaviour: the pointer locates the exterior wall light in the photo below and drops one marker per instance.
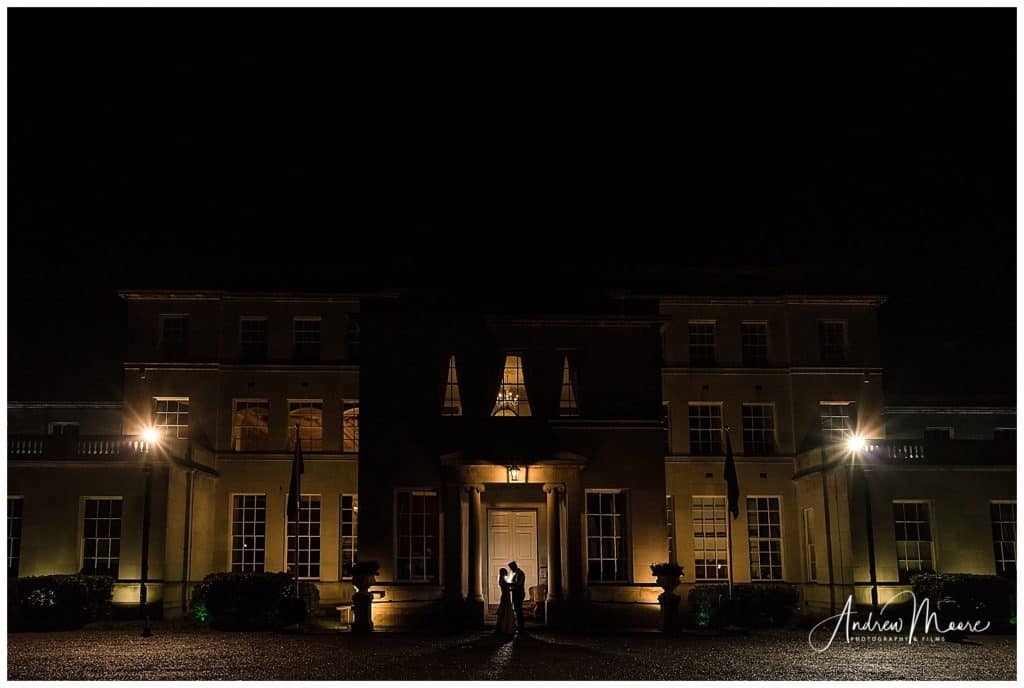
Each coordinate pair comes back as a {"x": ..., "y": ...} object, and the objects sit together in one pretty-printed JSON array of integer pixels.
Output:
[
  {"x": 514, "y": 473},
  {"x": 855, "y": 444}
]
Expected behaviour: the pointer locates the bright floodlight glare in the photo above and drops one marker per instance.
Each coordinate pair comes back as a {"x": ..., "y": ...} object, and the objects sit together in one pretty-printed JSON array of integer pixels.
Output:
[
  {"x": 150, "y": 435},
  {"x": 855, "y": 443}
]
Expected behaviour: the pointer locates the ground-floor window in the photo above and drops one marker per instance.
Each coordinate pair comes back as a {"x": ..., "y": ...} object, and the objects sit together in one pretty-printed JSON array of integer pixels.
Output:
[
  {"x": 764, "y": 532},
  {"x": 810, "y": 551},
  {"x": 416, "y": 516},
  {"x": 101, "y": 551},
  {"x": 606, "y": 536},
  {"x": 248, "y": 532},
  {"x": 349, "y": 545},
  {"x": 304, "y": 538},
  {"x": 914, "y": 553},
  {"x": 1004, "y": 537},
  {"x": 14, "y": 511},
  {"x": 670, "y": 526},
  {"x": 710, "y": 539}
]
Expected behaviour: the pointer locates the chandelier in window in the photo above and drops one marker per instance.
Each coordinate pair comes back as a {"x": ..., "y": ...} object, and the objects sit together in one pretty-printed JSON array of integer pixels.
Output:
[{"x": 507, "y": 402}]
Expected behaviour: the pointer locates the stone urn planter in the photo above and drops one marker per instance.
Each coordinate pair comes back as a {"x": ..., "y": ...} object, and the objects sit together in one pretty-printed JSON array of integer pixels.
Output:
[
  {"x": 364, "y": 575},
  {"x": 668, "y": 576}
]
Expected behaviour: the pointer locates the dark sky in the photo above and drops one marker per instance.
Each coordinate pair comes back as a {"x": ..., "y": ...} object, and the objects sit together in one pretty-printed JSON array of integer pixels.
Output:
[{"x": 330, "y": 149}]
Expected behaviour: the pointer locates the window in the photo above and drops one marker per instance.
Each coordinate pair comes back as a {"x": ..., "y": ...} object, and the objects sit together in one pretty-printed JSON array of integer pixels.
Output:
[
  {"x": 307, "y": 530},
  {"x": 835, "y": 421},
  {"x": 567, "y": 404},
  {"x": 666, "y": 407},
  {"x": 101, "y": 551},
  {"x": 350, "y": 426},
  {"x": 14, "y": 511},
  {"x": 754, "y": 336},
  {"x": 170, "y": 414},
  {"x": 512, "y": 399},
  {"x": 606, "y": 536},
  {"x": 306, "y": 333},
  {"x": 252, "y": 336},
  {"x": 63, "y": 427},
  {"x": 764, "y": 532},
  {"x": 417, "y": 535},
  {"x": 758, "y": 429},
  {"x": 173, "y": 329},
  {"x": 250, "y": 425},
  {"x": 248, "y": 532},
  {"x": 670, "y": 526},
  {"x": 832, "y": 337},
  {"x": 1004, "y": 537},
  {"x": 810, "y": 553},
  {"x": 349, "y": 545},
  {"x": 913, "y": 539},
  {"x": 352, "y": 336},
  {"x": 702, "y": 343},
  {"x": 308, "y": 414},
  {"x": 938, "y": 434},
  {"x": 705, "y": 428},
  {"x": 710, "y": 539},
  {"x": 452, "y": 399}
]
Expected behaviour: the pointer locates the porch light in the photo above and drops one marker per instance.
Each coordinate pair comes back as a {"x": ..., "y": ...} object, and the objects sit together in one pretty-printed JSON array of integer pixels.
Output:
[{"x": 513, "y": 473}]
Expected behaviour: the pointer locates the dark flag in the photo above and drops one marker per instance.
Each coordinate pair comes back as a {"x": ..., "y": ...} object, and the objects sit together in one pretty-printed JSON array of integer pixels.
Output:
[
  {"x": 730, "y": 479},
  {"x": 296, "y": 483}
]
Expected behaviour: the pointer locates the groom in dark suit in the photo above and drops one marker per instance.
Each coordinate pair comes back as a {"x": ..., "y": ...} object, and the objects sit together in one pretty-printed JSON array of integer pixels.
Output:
[{"x": 518, "y": 595}]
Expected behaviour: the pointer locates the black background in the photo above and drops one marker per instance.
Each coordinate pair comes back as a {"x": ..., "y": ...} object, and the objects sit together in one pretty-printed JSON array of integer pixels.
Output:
[{"x": 260, "y": 149}]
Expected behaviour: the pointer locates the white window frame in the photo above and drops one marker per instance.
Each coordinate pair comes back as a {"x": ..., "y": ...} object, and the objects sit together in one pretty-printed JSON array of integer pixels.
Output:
[
  {"x": 236, "y": 440},
  {"x": 918, "y": 541},
  {"x": 452, "y": 404},
  {"x": 568, "y": 398},
  {"x": 624, "y": 538},
  {"x": 242, "y": 341},
  {"x": 242, "y": 565},
  {"x": 829, "y": 435},
  {"x": 520, "y": 406},
  {"x": 670, "y": 527},
  {"x": 310, "y": 444},
  {"x": 758, "y": 539},
  {"x": 745, "y": 346},
  {"x": 844, "y": 352},
  {"x": 771, "y": 433},
  {"x": 721, "y": 544},
  {"x": 348, "y": 545},
  {"x": 690, "y": 343},
  {"x": 180, "y": 432},
  {"x": 1002, "y": 558},
  {"x": 308, "y": 543},
  {"x": 82, "y": 557},
  {"x": 721, "y": 429},
  {"x": 412, "y": 492},
  {"x": 349, "y": 445}
]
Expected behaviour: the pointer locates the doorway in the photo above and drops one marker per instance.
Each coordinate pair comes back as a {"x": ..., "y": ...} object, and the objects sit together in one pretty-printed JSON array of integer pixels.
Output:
[{"x": 511, "y": 535}]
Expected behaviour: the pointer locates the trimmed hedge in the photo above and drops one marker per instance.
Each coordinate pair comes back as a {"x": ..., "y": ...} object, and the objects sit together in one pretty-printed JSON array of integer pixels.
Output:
[
  {"x": 60, "y": 602},
  {"x": 978, "y": 597},
  {"x": 252, "y": 601},
  {"x": 752, "y": 604}
]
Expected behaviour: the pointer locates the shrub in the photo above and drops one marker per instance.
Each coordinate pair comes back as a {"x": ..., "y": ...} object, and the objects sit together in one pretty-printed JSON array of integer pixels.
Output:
[
  {"x": 666, "y": 569},
  {"x": 752, "y": 604},
  {"x": 43, "y": 603},
  {"x": 978, "y": 597},
  {"x": 252, "y": 601}
]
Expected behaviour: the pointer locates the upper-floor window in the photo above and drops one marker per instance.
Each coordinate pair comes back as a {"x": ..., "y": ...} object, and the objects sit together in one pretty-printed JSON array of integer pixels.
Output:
[
  {"x": 308, "y": 416},
  {"x": 512, "y": 400},
  {"x": 754, "y": 337},
  {"x": 63, "y": 427},
  {"x": 705, "y": 428},
  {"x": 252, "y": 337},
  {"x": 702, "y": 342},
  {"x": 173, "y": 331},
  {"x": 306, "y": 336},
  {"x": 759, "y": 429},
  {"x": 832, "y": 338},
  {"x": 350, "y": 426},
  {"x": 170, "y": 416},
  {"x": 250, "y": 426},
  {"x": 567, "y": 403},
  {"x": 1004, "y": 537},
  {"x": 352, "y": 336},
  {"x": 835, "y": 421},
  {"x": 452, "y": 399}
]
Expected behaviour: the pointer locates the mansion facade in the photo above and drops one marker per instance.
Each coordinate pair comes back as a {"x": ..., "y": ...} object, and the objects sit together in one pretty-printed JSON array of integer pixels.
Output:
[{"x": 444, "y": 436}]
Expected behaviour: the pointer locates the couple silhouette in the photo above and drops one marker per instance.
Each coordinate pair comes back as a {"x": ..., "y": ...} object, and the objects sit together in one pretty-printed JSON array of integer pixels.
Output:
[{"x": 510, "y": 610}]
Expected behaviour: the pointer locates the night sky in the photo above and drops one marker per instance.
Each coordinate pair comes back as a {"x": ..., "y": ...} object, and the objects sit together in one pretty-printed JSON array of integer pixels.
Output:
[{"x": 268, "y": 149}]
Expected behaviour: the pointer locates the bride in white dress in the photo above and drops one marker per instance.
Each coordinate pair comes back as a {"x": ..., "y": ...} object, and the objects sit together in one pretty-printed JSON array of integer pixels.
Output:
[{"x": 506, "y": 623}]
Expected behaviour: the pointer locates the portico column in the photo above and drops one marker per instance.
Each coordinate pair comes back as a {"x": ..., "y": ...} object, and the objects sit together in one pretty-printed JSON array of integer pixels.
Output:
[
  {"x": 475, "y": 589},
  {"x": 554, "y": 511}
]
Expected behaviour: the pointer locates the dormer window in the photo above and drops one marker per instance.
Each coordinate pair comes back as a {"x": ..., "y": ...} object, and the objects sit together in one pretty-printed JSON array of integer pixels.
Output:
[
  {"x": 567, "y": 404},
  {"x": 452, "y": 399},
  {"x": 512, "y": 399}
]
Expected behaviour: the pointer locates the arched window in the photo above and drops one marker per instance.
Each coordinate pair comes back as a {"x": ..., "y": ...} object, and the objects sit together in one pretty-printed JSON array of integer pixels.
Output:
[
  {"x": 512, "y": 399},
  {"x": 567, "y": 404},
  {"x": 452, "y": 399}
]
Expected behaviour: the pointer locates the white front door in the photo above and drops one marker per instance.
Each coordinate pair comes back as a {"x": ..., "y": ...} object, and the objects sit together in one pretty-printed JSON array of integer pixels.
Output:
[{"x": 511, "y": 536}]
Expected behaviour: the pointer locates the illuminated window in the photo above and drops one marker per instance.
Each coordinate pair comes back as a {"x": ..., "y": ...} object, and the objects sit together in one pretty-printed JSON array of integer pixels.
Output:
[
  {"x": 835, "y": 421},
  {"x": 416, "y": 518},
  {"x": 306, "y": 337},
  {"x": 755, "y": 343},
  {"x": 764, "y": 534},
  {"x": 1004, "y": 537},
  {"x": 810, "y": 552},
  {"x": 308, "y": 414},
  {"x": 173, "y": 329},
  {"x": 170, "y": 415},
  {"x": 914, "y": 553},
  {"x": 567, "y": 404},
  {"x": 758, "y": 429},
  {"x": 606, "y": 536},
  {"x": 512, "y": 399},
  {"x": 452, "y": 399},
  {"x": 710, "y": 540},
  {"x": 250, "y": 425},
  {"x": 101, "y": 551},
  {"x": 832, "y": 338},
  {"x": 248, "y": 532},
  {"x": 350, "y": 426},
  {"x": 670, "y": 526},
  {"x": 252, "y": 336},
  {"x": 349, "y": 545},
  {"x": 705, "y": 428},
  {"x": 14, "y": 511},
  {"x": 307, "y": 530},
  {"x": 702, "y": 343}
]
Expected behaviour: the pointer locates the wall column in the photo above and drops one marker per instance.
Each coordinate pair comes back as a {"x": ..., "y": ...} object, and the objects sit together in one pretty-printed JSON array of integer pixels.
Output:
[
  {"x": 474, "y": 585},
  {"x": 554, "y": 513}
]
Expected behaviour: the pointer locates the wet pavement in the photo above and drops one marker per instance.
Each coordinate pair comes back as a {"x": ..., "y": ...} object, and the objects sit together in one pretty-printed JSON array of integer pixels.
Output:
[{"x": 185, "y": 654}]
